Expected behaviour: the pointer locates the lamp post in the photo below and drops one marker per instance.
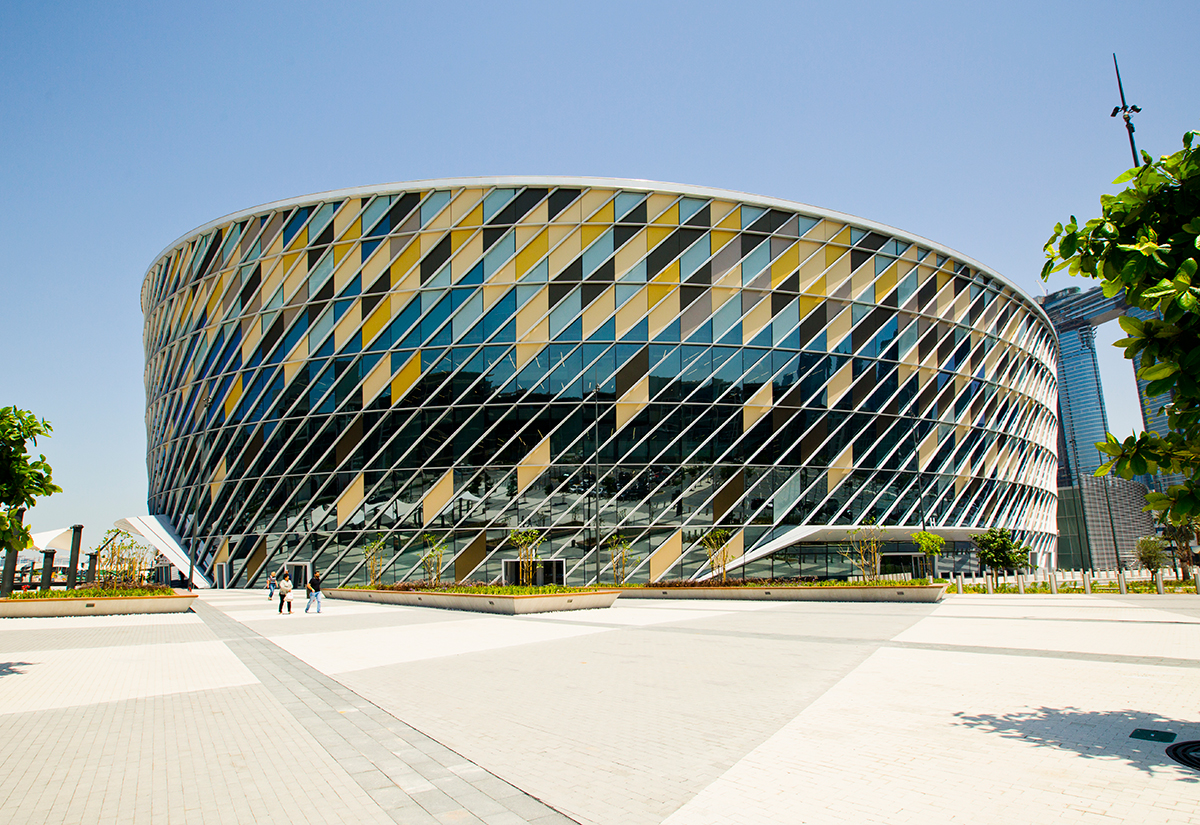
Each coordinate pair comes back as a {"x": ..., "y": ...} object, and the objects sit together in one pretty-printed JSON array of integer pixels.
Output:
[
  {"x": 596, "y": 464},
  {"x": 204, "y": 405}
]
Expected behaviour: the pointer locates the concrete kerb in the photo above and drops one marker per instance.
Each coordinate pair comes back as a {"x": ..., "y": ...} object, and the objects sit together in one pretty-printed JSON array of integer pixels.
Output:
[
  {"x": 95, "y": 606},
  {"x": 515, "y": 605},
  {"x": 922, "y": 594}
]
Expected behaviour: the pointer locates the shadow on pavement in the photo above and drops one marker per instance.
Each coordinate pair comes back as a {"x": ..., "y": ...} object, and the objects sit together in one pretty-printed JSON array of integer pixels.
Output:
[
  {"x": 1093, "y": 734},
  {"x": 11, "y": 668}
]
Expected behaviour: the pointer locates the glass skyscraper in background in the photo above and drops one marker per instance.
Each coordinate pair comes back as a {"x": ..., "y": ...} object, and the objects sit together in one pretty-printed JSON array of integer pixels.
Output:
[{"x": 1099, "y": 519}]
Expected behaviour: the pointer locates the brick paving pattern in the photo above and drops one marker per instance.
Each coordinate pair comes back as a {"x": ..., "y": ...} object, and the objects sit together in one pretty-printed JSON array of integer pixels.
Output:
[{"x": 981, "y": 709}]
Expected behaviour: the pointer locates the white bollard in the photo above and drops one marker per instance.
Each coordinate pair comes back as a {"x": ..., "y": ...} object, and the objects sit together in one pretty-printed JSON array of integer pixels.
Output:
[
  {"x": 1158, "y": 582},
  {"x": 1054, "y": 582},
  {"x": 959, "y": 579},
  {"x": 1087, "y": 582},
  {"x": 1121, "y": 582}
]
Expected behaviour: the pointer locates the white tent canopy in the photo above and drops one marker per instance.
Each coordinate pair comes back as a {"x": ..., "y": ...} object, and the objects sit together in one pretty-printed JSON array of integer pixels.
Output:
[{"x": 161, "y": 534}]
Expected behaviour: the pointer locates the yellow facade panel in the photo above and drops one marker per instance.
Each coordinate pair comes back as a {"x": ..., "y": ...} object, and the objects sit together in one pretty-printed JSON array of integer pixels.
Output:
[
  {"x": 590, "y": 232},
  {"x": 566, "y": 252},
  {"x": 405, "y": 261},
  {"x": 785, "y": 265},
  {"x": 839, "y": 384},
  {"x": 599, "y": 311},
  {"x": 468, "y": 255},
  {"x": 438, "y": 496},
  {"x": 629, "y": 254},
  {"x": 592, "y": 200},
  {"x": 344, "y": 218},
  {"x": 233, "y": 396},
  {"x": 757, "y": 318},
  {"x": 407, "y": 376},
  {"x": 717, "y": 239},
  {"x": 632, "y": 311},
  {"x": 533, "y": 311},
  {"x": 602, "y": 215},
  {"x": 719, "y": 213},
  {"x": 348, "y": 324},
  {"x": 664, "y": 312},
  {"x": 467, "y": 207},
  {"x": 758, "y": 406},
  {"x": 350, "y": 498},
  {"x": 666, "y": 555},
  {"x": 536, "y": 462},
  {"x": 377, "y": 380},
  {"x": 842, "y": 466},
  {"x": 376, "y": 321}
]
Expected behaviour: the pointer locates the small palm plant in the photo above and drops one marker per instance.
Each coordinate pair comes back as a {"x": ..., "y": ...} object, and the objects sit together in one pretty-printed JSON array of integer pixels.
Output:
[
  {"x": 618, "y": 548},
  {"x": 716, "y": 545},
  {"x": 431, "y": 562},
  {"x": 526, "y": 541}
]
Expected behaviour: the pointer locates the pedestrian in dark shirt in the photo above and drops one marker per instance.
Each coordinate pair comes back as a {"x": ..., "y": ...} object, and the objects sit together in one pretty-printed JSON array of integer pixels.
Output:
[{"x": 314, "y": 592}]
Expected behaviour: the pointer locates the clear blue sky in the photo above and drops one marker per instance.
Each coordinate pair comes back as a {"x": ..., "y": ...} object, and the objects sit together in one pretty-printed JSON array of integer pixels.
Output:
[{"x": 126, "y": 125}]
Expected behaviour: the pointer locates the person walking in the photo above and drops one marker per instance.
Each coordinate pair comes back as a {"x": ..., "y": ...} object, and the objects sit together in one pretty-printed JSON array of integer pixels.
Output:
[
  {"x": 270, "y": 586},
  {"x": 314, "y": 592},
  {"x": 285, "y": 592}
]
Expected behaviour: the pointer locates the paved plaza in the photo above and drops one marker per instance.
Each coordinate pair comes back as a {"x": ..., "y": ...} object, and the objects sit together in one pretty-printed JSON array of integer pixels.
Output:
[{"x": 993, "y": 709}]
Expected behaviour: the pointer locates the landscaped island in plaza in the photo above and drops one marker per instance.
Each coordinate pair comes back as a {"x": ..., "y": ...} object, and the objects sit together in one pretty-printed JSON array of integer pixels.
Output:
[
  {"x": 512, "y": 600},
  {"x": 99, "y": 600},
  {"x": 484, "y": 598}
]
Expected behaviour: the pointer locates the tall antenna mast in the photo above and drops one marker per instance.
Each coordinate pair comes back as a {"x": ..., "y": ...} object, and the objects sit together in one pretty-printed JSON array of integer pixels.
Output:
[{"x": 1127, "y": 112}]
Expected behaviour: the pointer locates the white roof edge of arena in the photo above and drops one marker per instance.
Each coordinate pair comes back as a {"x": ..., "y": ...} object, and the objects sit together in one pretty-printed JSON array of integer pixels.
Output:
[
  {"x": 616, "y": 183},
  {"x": 159, "y": 531},
  {"x": 826, "y": 533},
  {"x": 57, "y": 539}
]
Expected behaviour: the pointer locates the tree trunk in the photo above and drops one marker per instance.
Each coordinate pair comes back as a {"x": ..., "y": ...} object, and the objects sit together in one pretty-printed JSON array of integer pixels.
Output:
[{"x": 10, "y": 562}]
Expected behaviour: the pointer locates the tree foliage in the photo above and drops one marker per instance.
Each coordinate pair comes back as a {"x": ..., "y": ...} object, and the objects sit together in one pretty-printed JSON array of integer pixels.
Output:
[
  {"x": 526, "y": 541},
  {"x": 431, "y": 562},
  {"x": 1180, "y": 536},
  {"x": 1147, "y": 243},
  {"x": 1150, "y": 553},
  {"x": 865, "y": 550},
  {"x": 23, "y": 478},
  {"x": 618, "y": 548},
  {"x": 123, "y": 558},
  {"x": 998, "y": 550},
  {"x": 930, "y": 545},
  {"x": 716, "y": 546}
]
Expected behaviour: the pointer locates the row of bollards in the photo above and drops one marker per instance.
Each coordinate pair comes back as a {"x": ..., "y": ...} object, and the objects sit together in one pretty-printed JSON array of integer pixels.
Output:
[{"x": 1122, "y": 587}]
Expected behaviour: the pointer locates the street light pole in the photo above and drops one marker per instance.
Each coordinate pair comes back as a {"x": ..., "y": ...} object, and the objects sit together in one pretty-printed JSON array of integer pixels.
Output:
[
  {"x": 204, "y": 405},
  {"x": 596, "y": 484}
]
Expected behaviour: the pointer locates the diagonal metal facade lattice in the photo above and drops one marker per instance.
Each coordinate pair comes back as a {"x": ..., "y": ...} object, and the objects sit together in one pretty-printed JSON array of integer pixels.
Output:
[{"x": 449, "y": 360}]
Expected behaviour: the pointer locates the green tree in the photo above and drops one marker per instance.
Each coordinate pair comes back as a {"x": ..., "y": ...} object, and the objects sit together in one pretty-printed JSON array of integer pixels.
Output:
[
  {"x": 865, "y": 549},
  {"x": 526, "y": 541},
  {"x": 1181, "y": 535},
  {"x": 373, "y": 555},
  {"x": 716, "y": 546},
  {"x": 431, "y": 562},
  {"x": 23, "y": 479},
  {"x": 930, "y": 545},
  {"x": 1150, "y": 553},
  {"x": 997, "y": 550},
  {"x": 1146, "y": 242},
  {"x": 618, "y": 549}
]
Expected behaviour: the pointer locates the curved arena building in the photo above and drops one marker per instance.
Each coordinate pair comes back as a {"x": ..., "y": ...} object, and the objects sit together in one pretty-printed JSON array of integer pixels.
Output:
[{"x": 445, "y": 361}]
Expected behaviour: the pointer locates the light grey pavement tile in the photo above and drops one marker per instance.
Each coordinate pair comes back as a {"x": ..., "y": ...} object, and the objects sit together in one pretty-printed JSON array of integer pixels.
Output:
[{"x": 365, "y": 736}]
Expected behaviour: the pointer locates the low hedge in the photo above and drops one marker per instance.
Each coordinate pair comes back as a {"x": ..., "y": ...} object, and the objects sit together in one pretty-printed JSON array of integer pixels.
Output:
[{"x": 98, "y": 591}]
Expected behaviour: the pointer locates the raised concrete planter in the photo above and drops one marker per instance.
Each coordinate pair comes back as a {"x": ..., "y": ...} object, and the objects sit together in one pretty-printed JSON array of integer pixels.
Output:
[
  {"x": 484, "y": 603},
  {"x": 898, "y": 593},
  {"x": 103, "y": 606}
]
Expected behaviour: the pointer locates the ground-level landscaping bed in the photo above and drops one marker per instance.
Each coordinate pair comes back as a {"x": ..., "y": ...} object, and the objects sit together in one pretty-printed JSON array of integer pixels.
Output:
[
  {"x": 830, "y": 591},
  {"x": 99, "y": 600},
  {"x": 509, "y": 601}
]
